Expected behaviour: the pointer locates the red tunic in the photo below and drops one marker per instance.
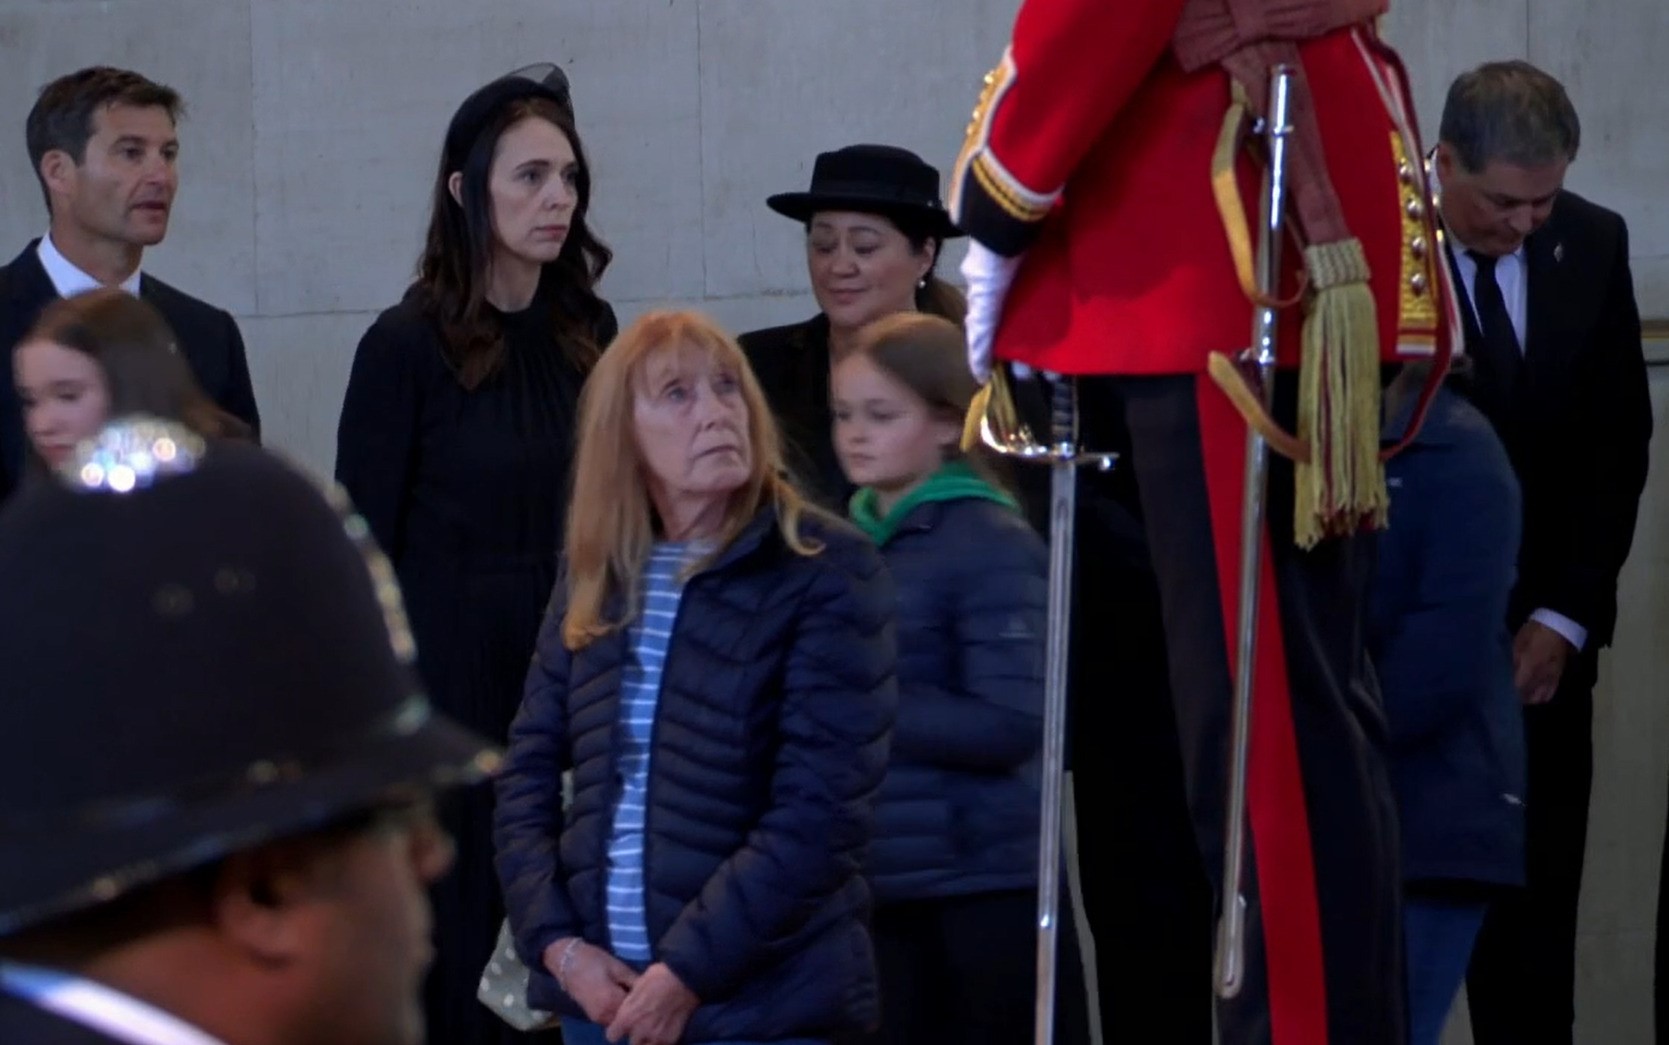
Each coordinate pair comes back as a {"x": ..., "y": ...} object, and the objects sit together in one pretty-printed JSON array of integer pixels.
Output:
[{"x": 1089, "y": 122}]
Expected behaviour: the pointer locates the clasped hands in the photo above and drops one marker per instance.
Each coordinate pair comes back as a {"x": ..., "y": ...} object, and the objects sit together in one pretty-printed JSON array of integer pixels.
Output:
[{"x": 647, "y": 1009}]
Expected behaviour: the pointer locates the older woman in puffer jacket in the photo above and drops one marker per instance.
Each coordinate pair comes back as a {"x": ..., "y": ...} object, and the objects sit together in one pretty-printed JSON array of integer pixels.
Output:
[{"x": 717, "y": 670}]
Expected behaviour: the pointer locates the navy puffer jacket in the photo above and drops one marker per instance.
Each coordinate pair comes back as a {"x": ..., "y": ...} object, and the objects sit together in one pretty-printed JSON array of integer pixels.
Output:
[
  {"x": 770, "y": 739},
  {"x": 959, "y": 808},
  {"x": 1437, "y": 632}
]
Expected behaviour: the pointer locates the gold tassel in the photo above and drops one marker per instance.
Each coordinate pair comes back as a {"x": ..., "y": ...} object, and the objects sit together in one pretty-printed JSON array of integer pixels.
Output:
[{"x": 1343, "y": 483}]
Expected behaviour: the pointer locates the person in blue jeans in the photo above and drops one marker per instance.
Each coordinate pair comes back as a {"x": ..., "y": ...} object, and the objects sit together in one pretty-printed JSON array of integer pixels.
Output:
[
  {"x": 954, "y": 864},
  {"x": 1438, "y": 639},
  {"x": 716, "y": 670}
]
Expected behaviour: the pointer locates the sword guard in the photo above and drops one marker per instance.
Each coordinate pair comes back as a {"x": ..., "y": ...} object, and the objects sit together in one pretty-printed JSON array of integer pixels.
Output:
[{"x": 1002, "y": 431}]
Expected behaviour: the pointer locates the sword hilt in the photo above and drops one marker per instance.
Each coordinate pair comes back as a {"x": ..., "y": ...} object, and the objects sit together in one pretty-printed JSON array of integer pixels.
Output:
[
  {"x": 1063, "y": 415},
  {"x": 1062, "y": 446},
  {"x": 1063, "y": 423}
]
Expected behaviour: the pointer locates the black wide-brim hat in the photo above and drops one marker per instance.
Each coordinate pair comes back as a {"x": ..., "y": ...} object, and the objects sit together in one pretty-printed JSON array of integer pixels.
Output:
[
  {"x": 202, "y": 650},
  {"x": 872, "y": 179}
]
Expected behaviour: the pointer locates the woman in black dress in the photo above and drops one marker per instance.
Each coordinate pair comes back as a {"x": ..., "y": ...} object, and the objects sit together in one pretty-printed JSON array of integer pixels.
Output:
[
  {"x": 455, "y": 441},
  {"x": 874, "y": 227}
]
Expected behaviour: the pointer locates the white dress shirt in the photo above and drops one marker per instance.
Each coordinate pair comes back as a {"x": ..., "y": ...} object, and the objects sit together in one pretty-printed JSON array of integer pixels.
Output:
[
  {"x": 69, "y": 280},
  {"x": 93, "y": 1005},
  {"x": 1512, "y": 276},
  {"x": 1509, "y": 276}
]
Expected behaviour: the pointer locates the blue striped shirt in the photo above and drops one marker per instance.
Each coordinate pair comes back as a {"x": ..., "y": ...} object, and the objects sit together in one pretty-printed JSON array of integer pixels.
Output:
[{"x": 640, "y": 691}]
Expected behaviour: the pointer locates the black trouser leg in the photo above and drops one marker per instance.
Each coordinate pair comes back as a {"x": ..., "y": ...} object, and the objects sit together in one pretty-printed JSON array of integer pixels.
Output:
[{"x": 1522, "y": 982}]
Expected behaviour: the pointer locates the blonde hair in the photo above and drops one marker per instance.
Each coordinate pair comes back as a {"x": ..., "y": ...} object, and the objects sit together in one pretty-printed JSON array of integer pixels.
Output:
[{"x": 611, "y": 521}]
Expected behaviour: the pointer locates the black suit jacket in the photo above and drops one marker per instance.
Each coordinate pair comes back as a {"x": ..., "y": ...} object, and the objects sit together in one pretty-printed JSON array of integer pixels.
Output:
[
  {"x": 1578, "y": 425},
  {"x": 208, "y": 336},
  {"x": 792, "y": 365},
  {"x": 23, "y": 1024}
]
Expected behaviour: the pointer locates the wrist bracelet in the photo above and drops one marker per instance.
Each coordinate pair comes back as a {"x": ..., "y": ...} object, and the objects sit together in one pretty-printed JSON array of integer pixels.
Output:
[{"x": 566, "y": 960}]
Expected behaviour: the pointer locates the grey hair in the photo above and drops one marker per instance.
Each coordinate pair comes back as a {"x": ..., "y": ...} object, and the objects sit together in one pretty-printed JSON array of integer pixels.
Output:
[{"x": 1511, "y": 112}]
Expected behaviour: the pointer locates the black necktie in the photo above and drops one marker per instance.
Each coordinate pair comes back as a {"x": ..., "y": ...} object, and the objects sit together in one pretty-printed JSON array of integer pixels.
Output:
[{"x": 1500, "y": 360}]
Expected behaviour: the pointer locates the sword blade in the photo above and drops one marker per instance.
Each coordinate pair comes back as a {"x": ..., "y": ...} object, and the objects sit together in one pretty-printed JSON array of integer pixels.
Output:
[
  {"x": 1231, "y": 930},
  {"x": 1230, "y": 959},
  {"x": 1063, "y": 501}
]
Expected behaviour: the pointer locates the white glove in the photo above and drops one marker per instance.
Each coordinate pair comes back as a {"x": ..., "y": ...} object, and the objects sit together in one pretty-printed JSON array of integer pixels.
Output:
[{"x": 989, "y": 275}]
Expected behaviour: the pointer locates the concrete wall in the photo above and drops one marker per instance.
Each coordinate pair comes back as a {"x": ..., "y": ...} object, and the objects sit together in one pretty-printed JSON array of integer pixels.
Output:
[
  {"x": 315, "y": 126},
  {"x": 1611, "y": 58}
]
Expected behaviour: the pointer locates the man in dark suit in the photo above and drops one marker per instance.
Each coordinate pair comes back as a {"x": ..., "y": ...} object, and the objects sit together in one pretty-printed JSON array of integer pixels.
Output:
[
  {"x": 103, "y": 145},
  {"x": 1554, "y": 334},
  {"x": 216, "y": 768}
]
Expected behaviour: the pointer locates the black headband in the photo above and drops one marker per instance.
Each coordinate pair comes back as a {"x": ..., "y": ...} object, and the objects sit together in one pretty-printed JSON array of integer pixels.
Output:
[{"x": 544, "y": 80}]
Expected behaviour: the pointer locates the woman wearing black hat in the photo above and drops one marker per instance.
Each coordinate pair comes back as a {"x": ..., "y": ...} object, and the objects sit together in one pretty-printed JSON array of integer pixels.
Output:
[
  {"x": 455, "y": 440},
  {"x": 874, "y": 228}
]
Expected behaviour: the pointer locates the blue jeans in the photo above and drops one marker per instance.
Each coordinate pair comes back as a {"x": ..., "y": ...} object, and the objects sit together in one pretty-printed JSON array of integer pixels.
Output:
[
  {"x": 584, "y": 1032},
  {"x": 1439, "y": 938}
]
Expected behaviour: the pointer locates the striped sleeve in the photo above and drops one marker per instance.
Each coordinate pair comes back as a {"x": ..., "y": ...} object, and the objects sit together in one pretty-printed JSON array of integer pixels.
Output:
[{"x": 651, "y": 637}]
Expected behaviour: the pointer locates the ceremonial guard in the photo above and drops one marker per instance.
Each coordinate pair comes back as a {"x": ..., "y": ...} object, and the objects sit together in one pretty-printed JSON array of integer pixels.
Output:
[{"x": 1110, "y": 181}]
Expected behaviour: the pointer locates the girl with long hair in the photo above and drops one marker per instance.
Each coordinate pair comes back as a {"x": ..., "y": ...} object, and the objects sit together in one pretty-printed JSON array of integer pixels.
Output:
[{"x": 100, "y": 355}]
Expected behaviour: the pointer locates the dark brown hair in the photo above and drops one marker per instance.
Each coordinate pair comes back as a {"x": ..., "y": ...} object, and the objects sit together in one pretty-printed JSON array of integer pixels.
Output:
[
  {"x": 1512, "y": 112},
  {"x": 62, "y": 117},
  {"x": 452, "y": 274},
  {"x": 139, "y": 357},
  {"x": 935, "y": 297}
]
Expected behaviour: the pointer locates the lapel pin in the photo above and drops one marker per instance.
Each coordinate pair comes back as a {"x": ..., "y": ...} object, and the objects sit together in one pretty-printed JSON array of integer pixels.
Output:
[{"x": 1558, "y": 252}]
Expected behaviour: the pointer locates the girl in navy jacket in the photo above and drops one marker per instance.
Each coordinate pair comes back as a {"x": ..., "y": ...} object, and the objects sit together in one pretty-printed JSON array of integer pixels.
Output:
[
  {"x": 954, "y": 861},
  {"x": 1437, "y": 633}
]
